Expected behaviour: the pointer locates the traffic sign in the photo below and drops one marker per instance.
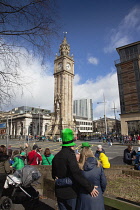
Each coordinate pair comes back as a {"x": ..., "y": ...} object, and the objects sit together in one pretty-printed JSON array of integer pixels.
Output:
[{"x": 2, "y": 125}]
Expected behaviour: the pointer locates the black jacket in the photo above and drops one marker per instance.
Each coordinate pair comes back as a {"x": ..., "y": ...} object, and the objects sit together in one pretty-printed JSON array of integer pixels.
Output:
[
  {"x": 64, "y": 165},
  {"x": 4, "y": 163},
  {"x": 127, "y": 157}
]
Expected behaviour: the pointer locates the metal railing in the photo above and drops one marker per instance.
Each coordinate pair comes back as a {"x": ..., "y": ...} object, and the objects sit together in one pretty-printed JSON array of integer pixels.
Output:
[{"x": 127, "y": 58}]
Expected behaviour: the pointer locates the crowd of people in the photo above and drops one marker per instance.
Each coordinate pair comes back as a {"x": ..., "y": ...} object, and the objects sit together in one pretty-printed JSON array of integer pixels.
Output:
[
  {"x": 10, "y": 161},
  {"x": 132, "y": 157},
  {"x": 129, "y": 139},
  {"x": 79, "y": 175},
  {"x": 123, "y": 139}
]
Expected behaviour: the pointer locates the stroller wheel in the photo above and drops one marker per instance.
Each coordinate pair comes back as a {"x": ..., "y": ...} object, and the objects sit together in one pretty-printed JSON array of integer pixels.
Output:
[{"x": 6, "y": 203}]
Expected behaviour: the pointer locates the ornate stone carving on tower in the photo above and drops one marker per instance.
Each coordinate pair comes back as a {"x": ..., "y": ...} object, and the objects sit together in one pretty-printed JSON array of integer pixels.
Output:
[{"x": 63, "y": 90}]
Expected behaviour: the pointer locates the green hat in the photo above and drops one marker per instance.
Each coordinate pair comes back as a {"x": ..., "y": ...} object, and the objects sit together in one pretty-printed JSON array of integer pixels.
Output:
[
  {"x": 85, "y": 144},
  {"x": 67, "y": 137}
]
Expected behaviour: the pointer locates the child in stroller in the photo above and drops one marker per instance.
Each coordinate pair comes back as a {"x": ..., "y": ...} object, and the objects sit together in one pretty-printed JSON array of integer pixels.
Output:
[{"x": 18, "y": 188}]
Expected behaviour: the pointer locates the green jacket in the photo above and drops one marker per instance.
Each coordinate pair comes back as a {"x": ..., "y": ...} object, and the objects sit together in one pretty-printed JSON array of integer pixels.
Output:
[
  {"x": 47, "y": 160},
  {"x": 18, "y": 162}
]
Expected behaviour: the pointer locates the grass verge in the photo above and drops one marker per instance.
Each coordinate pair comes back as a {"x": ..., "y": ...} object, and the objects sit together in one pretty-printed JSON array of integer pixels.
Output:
[{"x": 124, "y": 187}]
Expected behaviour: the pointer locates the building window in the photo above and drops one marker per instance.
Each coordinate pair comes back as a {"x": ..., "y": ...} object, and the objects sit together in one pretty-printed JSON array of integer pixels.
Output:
[
  {"x": 46, "y": 127},
  {"x": 136, "y": 65}
]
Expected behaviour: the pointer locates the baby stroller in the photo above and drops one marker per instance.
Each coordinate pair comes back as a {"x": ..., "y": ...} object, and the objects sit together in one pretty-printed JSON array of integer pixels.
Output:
[{"x": 18, "y": 188}]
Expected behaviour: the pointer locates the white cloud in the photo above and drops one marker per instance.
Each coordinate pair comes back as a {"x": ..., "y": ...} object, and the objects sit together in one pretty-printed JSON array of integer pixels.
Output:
[
  {"x": 132, "y": 19},
  {"x": 93, "y": 60},
  {"x": 126, "y": 32},
  {"x": 40, "y": 89},
  {"x": 76, "y": 79},
  {"x": 104, "y": 85}
]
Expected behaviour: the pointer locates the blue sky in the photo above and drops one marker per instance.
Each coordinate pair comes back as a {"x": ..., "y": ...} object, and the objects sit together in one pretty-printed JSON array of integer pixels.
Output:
[{"x": 95, "y": 29}]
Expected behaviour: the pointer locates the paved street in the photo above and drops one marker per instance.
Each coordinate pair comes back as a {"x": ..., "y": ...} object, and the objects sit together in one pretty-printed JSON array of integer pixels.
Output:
[{"x": 114, "y": 151}]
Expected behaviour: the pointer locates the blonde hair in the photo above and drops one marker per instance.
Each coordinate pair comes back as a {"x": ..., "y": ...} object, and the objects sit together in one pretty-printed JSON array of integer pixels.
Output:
[{"x": 85, "y": 153}]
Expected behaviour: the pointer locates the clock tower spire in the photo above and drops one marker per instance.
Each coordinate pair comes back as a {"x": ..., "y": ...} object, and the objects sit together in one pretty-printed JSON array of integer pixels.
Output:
[
  {"x": 63, "y": 89},
  {"x": 64, "y": 47}
]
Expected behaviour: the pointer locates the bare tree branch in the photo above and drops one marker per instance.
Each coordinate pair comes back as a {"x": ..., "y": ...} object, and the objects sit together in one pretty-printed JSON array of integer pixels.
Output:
[{"x": 29, "y": 24}]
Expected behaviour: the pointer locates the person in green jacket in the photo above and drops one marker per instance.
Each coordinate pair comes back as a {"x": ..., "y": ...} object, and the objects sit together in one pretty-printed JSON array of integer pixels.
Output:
[
  {"x": 18, "y": 160},
  {"x": 47, "y": 157}
]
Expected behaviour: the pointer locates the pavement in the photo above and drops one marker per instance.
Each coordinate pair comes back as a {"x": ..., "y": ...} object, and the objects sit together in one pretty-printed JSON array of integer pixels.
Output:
[{"x": 43, "y": 204}]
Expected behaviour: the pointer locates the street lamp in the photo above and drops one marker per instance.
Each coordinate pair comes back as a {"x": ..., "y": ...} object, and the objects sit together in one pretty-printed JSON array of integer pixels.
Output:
[
  {"x": 7, "y": 131},
  {"x": 104, "y": 102},
  {"x": 11, "y": 125},
  {"x": 114, "y": 108},
  {"x": 39, "y": 121}
]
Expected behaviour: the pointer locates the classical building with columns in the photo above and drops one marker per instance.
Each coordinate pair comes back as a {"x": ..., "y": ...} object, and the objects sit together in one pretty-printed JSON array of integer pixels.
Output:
[{"x": 25, "y": 121}]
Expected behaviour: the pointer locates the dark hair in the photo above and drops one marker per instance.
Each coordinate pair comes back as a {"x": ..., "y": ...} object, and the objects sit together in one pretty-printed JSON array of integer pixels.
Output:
[
  {"x": 3, "y": 149},
  {"x": 35, "y": 147},
  {"x": 21, "y": 149},
  {"x": 47, "y": 152},
  {"x": 10, "y": 152},
  {"x": 130, "y": 147},
  {"x": 16, "y": 152}
]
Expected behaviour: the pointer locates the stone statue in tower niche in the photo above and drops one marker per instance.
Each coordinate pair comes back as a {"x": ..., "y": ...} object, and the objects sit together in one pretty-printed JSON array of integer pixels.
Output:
[{"x": 57, "y": 102}]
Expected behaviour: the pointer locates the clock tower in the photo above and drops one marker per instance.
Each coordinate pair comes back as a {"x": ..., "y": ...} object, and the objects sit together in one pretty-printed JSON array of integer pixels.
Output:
[{"x": 63, "y": 89}]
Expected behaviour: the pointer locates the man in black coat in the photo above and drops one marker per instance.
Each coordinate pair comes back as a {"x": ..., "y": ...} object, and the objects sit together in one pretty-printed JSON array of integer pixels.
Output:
[
  {"x": 65, "y": 165},
  {"x": 129, "y": 155}
]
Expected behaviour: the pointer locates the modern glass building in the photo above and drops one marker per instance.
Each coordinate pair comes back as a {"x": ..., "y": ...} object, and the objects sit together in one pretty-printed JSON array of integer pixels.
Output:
[{"x": 83, "y": 108}]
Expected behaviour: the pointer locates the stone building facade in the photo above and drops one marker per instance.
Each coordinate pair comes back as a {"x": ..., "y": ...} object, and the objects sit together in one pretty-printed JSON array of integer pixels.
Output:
[
  {"x": 128, "y": 71},
  {"x": 63, "y": 91},
  {"x": 113, "y": 126},
  {"x": 25, "y": 124}
]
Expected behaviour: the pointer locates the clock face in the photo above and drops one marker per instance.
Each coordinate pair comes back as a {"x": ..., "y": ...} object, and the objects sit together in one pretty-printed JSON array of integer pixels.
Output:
[
  {"x": 68, "y": 66},
  {"x": 60, "y": 66}
]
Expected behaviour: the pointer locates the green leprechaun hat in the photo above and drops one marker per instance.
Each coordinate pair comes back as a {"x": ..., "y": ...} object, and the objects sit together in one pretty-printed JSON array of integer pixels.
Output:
[
  {"x": 67, "y": 138},
  {"x": 85, "y": 144}
]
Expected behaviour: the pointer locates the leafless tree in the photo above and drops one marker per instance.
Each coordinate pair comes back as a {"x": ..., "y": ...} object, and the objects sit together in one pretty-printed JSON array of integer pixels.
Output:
[{"x": 29, "y": 24}]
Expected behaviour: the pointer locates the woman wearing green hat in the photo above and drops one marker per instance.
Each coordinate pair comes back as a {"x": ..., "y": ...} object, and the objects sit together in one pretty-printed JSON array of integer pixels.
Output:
[
  {"x": 92, "y": 170},
  {"x": 65, "y": 165},
  {"x": 85, "y": 144}
]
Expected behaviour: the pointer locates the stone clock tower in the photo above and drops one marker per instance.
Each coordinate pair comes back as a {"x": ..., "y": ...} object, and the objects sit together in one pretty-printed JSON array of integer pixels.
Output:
[{"x": 63, "y": 90}]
